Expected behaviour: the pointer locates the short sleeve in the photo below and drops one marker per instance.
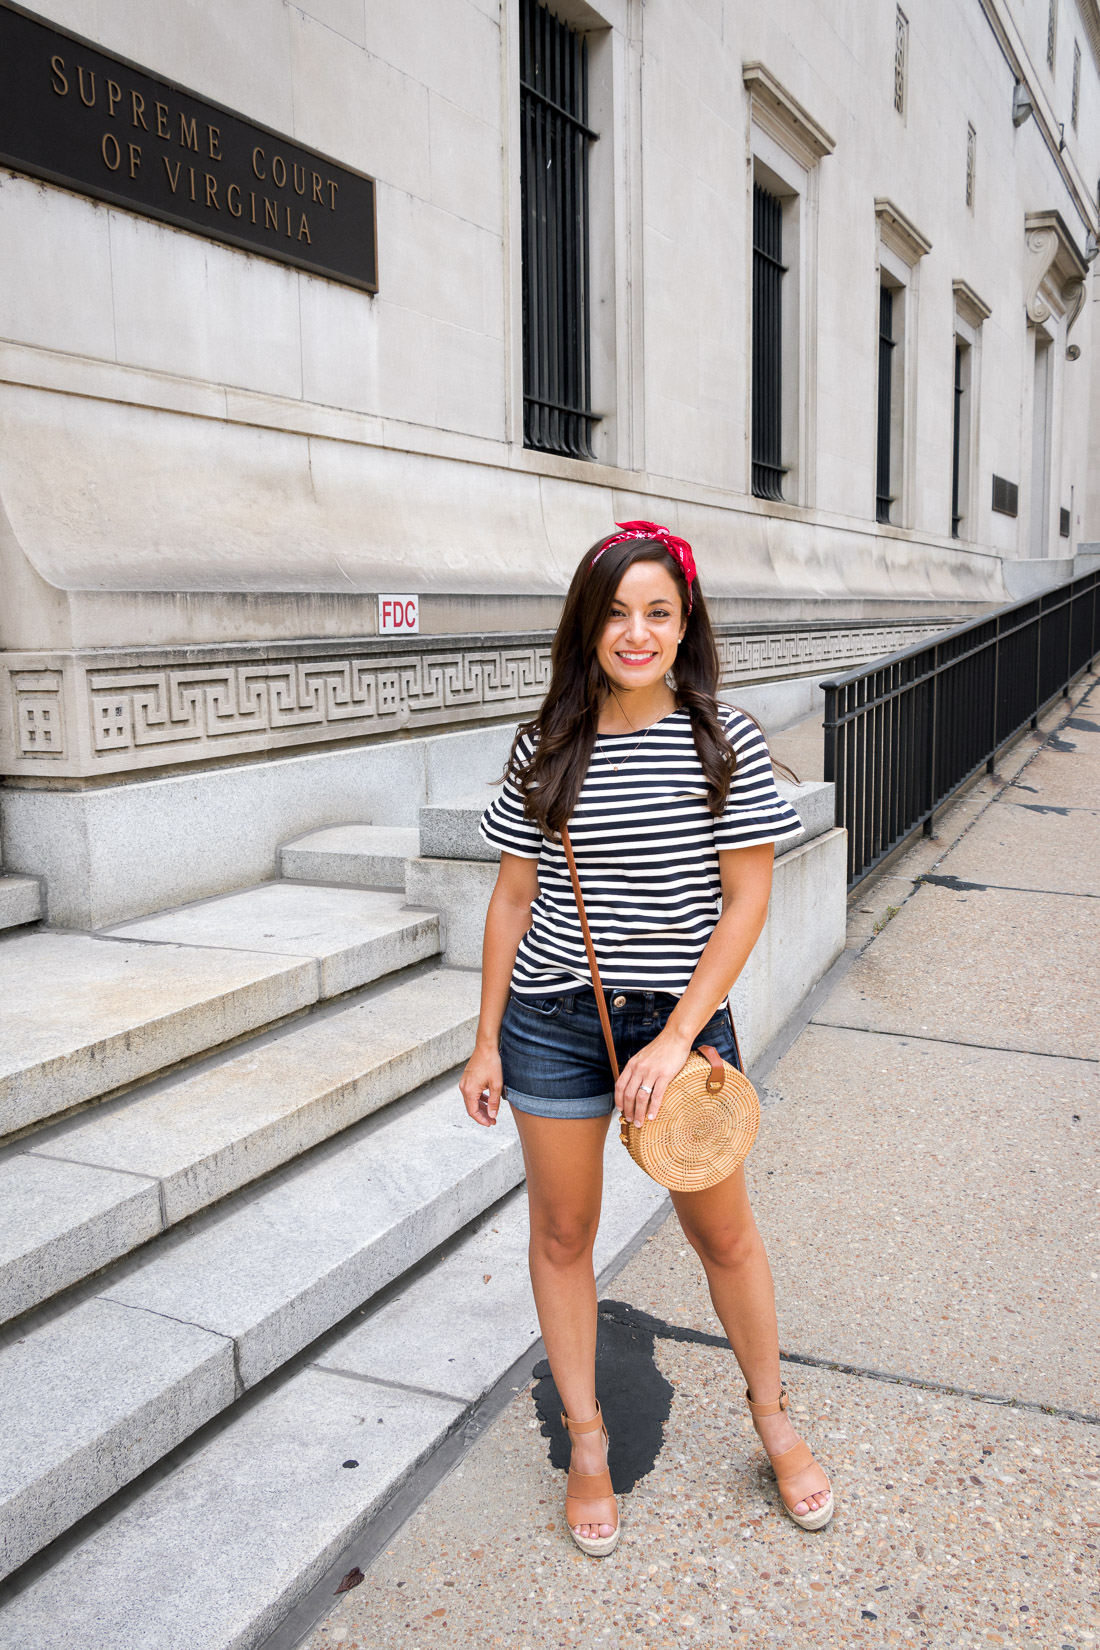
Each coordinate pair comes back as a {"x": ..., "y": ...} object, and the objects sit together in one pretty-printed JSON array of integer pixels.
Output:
[
  {"x": 504, "y": 824},
  {"x": 754, "y": 812}
]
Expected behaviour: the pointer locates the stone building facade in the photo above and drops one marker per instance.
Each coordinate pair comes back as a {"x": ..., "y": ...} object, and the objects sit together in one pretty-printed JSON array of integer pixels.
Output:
[{"x": 216, "y": 464}]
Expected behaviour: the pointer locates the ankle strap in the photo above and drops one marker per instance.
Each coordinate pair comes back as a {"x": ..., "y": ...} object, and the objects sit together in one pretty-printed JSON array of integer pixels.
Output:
[
  {"x": 774, "y": 1408},
  {"x": 583, "y": 1426}
]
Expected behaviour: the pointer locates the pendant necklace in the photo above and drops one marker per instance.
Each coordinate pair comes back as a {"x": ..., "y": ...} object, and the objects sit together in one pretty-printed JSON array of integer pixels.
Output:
[{"x": 615, "y": 766}]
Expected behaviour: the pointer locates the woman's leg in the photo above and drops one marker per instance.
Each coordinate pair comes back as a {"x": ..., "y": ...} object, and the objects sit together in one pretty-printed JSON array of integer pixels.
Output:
[
  {"x": 564, "y": 1163},
  {"x": 720, "y": 1227}
]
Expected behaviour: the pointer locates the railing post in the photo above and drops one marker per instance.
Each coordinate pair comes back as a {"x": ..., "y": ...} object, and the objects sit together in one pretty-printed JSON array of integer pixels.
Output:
[
  {"x": 932, "y": 717},
  {"x": 991, "y": 762}
]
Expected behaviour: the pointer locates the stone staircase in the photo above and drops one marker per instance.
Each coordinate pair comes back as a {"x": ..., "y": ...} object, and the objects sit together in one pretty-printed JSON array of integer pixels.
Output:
[
  {"x": 227, "y": 1130},
  {"x": 255, "y": 1262}
]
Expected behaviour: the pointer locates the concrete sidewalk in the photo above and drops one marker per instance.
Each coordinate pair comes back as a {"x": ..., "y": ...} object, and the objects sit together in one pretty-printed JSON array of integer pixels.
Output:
[{"x": 925, "y": 1181}]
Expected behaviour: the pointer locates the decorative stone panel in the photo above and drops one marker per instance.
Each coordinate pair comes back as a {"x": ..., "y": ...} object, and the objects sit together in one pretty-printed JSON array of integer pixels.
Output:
[{"x": 156, "y": 708}]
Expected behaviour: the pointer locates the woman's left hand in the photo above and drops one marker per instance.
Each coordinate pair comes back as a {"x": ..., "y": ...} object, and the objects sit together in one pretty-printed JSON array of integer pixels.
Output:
[{"x": 644, "y": 1078}]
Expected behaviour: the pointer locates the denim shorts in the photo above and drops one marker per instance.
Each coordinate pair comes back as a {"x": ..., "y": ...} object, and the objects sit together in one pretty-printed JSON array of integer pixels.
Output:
[{"x": 553, "y": 1054}]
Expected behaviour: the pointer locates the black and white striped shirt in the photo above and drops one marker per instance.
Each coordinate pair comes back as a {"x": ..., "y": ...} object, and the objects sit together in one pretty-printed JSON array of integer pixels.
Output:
[{"x": 647, "y": 855}]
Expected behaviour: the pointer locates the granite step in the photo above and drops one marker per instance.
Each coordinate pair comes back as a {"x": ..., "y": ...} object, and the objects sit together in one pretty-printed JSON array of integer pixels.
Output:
[
  {"x": 364, "y": 856},
  {"x": 85, "y": 1014},
  {"x": 254, "y": 1517},
  {"x": 75, "y": 1197},
  {"x": 355, "y": 934},
  {"x": 20, "y": 900},
  {"x": 106, "y": 1387}
]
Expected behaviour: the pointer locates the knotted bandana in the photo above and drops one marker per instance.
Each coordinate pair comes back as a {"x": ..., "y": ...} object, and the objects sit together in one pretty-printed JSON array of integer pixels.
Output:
[{"x": 678, "y": 549}]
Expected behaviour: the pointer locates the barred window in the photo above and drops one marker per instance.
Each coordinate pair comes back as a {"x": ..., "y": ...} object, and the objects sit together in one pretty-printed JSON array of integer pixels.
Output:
[
  {"x": 901, "y": 61},
  {"x": 883, "y": 496},
  {"x": 557, "y": 411},
  {"x": 768, "y": 270},
  {"x": 971, "y": 159},
  {"x": 1075, "y": 99},
  {"x": 1052, "y": 31}
]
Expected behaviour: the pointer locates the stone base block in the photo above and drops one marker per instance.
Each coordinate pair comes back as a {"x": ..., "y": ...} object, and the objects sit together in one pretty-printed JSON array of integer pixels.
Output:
[
  {"x": 118, "y": 851},
  {"x": 802, "y": 938}
]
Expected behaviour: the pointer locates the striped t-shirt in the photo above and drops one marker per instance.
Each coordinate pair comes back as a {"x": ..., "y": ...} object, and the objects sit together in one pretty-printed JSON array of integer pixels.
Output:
[{"x": 646, "y": 847}]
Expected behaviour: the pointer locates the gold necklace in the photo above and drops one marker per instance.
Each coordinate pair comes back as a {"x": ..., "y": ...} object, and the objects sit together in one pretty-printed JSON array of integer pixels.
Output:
[{"x": 615, "y": 766}]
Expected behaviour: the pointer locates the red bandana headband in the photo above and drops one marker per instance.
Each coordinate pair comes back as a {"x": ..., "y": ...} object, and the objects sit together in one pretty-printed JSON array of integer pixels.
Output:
[{"x": 678, "y": 549}]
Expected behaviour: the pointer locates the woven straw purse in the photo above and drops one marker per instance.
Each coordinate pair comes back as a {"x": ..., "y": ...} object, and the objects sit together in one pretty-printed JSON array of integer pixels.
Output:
[{"x": 709, "y": 1114}]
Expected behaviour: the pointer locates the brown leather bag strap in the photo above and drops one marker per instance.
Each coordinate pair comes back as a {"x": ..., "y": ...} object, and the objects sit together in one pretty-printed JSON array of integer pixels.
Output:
[
  {"x": 593, "y": 966},
  {"x": 717, "y": 1067}
]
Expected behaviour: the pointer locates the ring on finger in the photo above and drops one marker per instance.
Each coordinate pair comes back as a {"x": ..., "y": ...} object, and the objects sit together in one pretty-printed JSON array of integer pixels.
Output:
[{"x": 645, "y": 1088}]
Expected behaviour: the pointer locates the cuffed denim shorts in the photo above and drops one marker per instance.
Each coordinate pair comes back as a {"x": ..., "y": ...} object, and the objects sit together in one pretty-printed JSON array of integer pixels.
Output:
[{"x": 553, "y": 1054}]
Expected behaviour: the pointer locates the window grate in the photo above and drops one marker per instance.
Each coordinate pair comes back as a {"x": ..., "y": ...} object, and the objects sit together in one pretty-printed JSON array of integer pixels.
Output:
[
  {"x": 956, "y": 448},
  {"x": 1063, "y": 523},
  {"x": 1075, "y": 98},
  {"x": 901, "y": 60},
  {"x": 1006, "y": 496},
  {"x": 557, "y": 373},
  {"x": 971, "y": 161},
  {"x": 768, "y": 270},
  {"x": 886, "y": 346},
  {"x": 1052, "y": 32}
]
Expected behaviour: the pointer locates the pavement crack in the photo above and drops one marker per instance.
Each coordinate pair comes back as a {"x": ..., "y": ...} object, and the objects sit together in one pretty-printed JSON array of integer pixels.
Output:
[
  {"x": 631, "y": 1317},
  {"x": 959, "y": 886},
  {"x": 954, "y": 1042}
]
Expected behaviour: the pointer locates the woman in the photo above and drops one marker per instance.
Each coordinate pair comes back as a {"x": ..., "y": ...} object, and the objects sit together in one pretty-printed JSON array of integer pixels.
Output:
[{"x": 670, "y": 802}]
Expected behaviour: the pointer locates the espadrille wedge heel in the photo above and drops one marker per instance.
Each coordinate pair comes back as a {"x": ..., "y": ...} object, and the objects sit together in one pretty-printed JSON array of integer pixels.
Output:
[
  {"x": 585, "y": 1491},
  {"x": 797, "y": 1473}
]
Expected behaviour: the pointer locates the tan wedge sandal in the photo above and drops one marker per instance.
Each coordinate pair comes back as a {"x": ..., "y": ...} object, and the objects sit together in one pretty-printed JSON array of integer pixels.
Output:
[
  {"x": 789, "y": 1467},
  {"x": 584, "y": 1489}
]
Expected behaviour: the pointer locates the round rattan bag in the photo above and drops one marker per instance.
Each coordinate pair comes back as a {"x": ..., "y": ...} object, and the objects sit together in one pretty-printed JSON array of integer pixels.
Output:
[{"x": 702, "y": 1132}]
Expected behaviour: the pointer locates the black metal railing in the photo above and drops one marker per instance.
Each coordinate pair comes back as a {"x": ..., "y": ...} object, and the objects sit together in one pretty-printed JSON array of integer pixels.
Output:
[
  {"x": 883, "y": 496},
  {"x": 904, "y": 735},
  {"x": 557, "y": 371},
  {"x": 768, "y": 270}
]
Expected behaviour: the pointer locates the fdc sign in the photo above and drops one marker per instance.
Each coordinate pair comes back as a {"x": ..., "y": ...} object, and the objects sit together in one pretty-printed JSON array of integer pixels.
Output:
[{"x": 398, "y": 615}]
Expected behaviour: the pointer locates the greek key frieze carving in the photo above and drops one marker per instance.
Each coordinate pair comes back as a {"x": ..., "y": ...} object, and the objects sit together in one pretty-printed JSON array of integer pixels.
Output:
[
  {"x": 140, "y": 713},
  {"x": 210, "y": 702}
]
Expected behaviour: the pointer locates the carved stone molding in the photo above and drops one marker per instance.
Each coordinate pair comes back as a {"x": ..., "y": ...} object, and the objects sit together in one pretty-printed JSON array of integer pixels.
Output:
[
  {"x": 1055, "y": 273},
  {"x": 900, "y": 233},
  {"x": 78, "y": 715},
  {"x": 974, "y": 310},
  {"x": 780, "y": 114}
]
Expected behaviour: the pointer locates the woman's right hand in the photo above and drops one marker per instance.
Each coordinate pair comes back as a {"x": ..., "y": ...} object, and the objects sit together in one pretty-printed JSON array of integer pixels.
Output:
[{"x": 482, "y": 1084}]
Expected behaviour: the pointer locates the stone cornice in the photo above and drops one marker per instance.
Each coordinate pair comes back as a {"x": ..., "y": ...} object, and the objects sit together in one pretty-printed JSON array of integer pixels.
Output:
[
  {"x": 898, "y": 232},
  {"x": 774, "y": 108},
  {"x": 972, "y": 308}
]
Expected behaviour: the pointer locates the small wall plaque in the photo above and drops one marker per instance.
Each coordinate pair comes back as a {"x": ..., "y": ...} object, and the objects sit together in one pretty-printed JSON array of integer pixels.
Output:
[{"x": 399, "y": 615}]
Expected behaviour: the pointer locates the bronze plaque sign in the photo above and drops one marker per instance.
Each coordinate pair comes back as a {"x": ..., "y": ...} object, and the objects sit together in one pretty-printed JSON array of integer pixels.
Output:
[{"x": 94, "y": 123}]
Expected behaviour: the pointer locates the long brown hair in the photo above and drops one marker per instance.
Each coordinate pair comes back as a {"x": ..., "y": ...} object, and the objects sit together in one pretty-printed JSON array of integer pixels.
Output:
[{"x": 564, "y": 731}]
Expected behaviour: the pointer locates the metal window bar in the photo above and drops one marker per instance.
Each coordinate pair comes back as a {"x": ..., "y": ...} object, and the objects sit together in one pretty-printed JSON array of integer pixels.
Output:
[
  {"x": 1075, "y": 96},
  {"x": 904, "y": 735},
  {"x": 768, "y": 270},
  {"x": 556, "y": 136},
  {"x": 883, "y": 496},
  {"x": 956, "y": 443}
]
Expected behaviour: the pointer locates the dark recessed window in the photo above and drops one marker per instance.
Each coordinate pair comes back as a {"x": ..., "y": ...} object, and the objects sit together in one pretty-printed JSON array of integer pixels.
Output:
[
  {"x": 768, "y": 270},
  {"x": 956, "y": 444},
  {"x": 557, "y": 411},
  {"x": 1063, "y": 523},
  {"x": 883, "y": 496}
]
